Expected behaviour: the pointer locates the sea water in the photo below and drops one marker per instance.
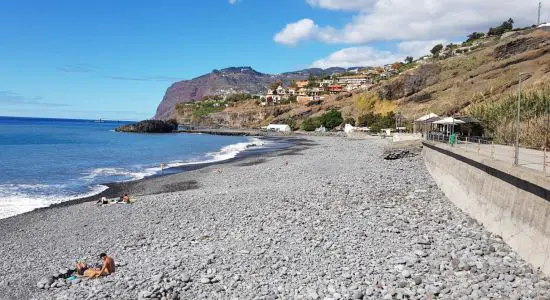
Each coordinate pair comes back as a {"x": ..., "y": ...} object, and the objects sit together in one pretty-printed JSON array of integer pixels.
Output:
[{"x": 47, "y": 161}]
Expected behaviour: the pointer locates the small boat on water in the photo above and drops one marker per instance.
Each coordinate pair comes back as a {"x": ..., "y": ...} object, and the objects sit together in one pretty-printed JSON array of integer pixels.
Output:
[{"x": 99, "y": 121}]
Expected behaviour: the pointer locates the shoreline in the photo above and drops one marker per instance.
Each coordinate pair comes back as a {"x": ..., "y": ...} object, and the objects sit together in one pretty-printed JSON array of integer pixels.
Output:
[
  {"x": 115, "y": 189},
  {"x": 327, "y": 218}
]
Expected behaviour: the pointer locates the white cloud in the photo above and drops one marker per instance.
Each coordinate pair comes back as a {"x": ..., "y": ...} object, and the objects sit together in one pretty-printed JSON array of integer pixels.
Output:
[
  {"x": 294, "y": 32},
  {"x": 233, "y": 1},
  {"x": 369, "y": 56},
  {"x": 356, "y": 56},
  {"x": 341, "y": 5},
  {"x": 418, "y": 48},
  {"x": 414, "y": 20}
]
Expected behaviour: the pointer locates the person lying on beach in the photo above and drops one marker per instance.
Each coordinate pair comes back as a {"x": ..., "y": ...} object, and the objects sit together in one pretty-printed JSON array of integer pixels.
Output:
[
  {"x": 126, "y": 199},
  {"x": 92, "y": 271}
]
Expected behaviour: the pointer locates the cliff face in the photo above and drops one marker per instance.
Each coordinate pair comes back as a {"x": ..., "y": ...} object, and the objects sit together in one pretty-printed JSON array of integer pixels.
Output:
[
  {"x": 218, "y": 82},
  {"x": 226, "y": 81}
]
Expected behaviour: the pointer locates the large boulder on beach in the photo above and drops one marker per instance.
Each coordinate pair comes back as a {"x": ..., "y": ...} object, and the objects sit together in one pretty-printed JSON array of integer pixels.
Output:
[{"x": 150, "y": 126}]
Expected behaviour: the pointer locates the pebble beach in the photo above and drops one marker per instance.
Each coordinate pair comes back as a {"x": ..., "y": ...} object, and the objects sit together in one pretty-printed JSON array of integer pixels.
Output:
[{"x": 326, "y": 219}]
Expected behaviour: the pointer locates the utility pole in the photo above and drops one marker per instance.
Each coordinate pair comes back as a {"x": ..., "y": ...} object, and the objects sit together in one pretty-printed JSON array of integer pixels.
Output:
[{"x": 540, "y": 7}]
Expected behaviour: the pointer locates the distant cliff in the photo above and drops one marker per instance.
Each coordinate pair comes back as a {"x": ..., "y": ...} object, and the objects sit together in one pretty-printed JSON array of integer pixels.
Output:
[{"x": 227, "y": 81}]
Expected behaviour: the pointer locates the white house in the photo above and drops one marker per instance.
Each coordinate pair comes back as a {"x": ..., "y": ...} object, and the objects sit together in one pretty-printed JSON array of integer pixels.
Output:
[
  {"x": 281, "y": 90},
  {"x": 544, "y": 26},
  {"x": 279, "y": 127},
  {"x": 358, "y": 80},
  {"x": 326, "y": 83}
]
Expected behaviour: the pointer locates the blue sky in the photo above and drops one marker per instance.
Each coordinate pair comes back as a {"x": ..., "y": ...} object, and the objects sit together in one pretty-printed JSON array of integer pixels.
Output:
[{"x": 114, "y": 59}]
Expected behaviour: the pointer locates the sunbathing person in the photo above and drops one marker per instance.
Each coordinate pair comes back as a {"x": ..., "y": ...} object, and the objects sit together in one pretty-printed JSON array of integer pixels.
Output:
[
  {"x": 92, "y": 271},
  {"x": 126, "y": 198}
]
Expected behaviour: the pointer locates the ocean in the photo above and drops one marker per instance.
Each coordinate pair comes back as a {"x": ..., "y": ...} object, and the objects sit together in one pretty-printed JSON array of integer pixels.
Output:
[{"x": 48, "y": 161}]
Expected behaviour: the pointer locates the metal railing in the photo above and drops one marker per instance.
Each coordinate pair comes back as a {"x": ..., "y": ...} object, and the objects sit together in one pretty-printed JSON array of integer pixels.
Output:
[{"x": 529, "y": 158}]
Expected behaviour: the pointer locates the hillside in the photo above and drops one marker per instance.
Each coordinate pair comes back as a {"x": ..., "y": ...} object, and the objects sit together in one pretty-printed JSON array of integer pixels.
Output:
[
  {"x": 227, "y": 81},
  {"x": 480, "y": 82}
]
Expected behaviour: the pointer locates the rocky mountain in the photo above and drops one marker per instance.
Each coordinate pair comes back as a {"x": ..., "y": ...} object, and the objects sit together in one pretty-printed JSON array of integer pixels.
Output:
[{"x": 227, "y": 81}]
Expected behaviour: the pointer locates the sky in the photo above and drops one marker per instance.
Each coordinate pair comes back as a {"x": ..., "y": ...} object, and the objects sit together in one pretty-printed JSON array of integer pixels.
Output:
[{"x": 114, "y": 59}]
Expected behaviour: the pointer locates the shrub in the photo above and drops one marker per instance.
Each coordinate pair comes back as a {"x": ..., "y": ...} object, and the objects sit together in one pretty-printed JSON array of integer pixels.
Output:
[
  {"x": 376, "y": 122},
  {"x": 350, "y": 121},
  {"x": 290, "y": 122},
  {"x": 504, "y": 27},
  {"x": 332, "y": 119},
  {"x": 311, "y": 124},
  {"x": 238, "y": 97}
]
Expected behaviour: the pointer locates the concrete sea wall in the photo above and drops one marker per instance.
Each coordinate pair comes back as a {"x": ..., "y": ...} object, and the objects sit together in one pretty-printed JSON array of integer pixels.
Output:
[{"x": 511, "y": 202}]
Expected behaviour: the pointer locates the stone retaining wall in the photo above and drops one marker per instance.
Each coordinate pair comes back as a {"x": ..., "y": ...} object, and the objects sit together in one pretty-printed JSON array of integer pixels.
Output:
[{"x": 511, "y": 202}]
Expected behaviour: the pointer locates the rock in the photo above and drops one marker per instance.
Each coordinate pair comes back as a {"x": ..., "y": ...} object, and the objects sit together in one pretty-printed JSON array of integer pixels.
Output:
[
  {"x": 145, "y": 294},
  {"x": 205, "y": 280},
  {"x": 157, "y": 277},
  {"x": 149, "y": 126},
  {"x": 417, "y": 280},
  {"x": 186, "y": 278},
  {"x": 406, "y": 274},
  {"x": 358, "y": 295},
  {"x": 45, "y": 282}
]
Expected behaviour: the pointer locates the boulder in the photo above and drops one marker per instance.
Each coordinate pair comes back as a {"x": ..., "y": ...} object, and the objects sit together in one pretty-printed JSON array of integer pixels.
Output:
[{"x": 149, "y": 126}]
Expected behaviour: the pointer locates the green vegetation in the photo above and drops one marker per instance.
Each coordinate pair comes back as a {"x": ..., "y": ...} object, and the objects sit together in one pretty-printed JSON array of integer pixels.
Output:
[
  {"x": 238, "y": 97},
  {"x": 436, "y": 50},
  {"x": 409, "y": 59},
  {"x": 350, "y": 121},
  {"x": 474, "y": 36},
  {"x": 291, "y": 122},
  {"x": 499, "y": 118},
  {"x": 376, "y": 122},
  {"x": 504, "y": 27},
  {"x": 330, "y": 120},
  {"x": 310, "y": 124},
  {"x": 201, "y": 109}
]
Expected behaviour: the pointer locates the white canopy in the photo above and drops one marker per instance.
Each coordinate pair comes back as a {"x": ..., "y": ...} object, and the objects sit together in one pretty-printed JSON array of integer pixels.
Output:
[
  {"x": 426, "y": 117},
  {"x": 449, "y": 121}
]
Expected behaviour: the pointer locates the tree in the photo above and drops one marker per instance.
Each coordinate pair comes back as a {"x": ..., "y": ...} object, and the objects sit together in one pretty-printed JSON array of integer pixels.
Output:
[
  {"x": 436, "y": 50},
  {"x": 332, "y": 119},
  {"x": 504, "y": 27},
  {"x": 409, "y": 59},
  {"x": 310, "y": 124},
  {"x": 275, "y": 85},
  {"x": 475, "y": 36}
]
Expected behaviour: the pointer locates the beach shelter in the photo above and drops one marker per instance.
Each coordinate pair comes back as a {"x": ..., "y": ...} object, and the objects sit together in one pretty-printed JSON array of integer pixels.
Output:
[
  {"x": 449, "y": 121},
  {"x": 448, "y": 124},
  {"x": 424, "y": 123},
  {"x": 425, "y": 118}
]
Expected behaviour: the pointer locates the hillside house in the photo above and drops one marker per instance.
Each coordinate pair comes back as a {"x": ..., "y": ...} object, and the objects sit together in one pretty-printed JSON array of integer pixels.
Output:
[
  {"x": 336, "y": 89},
  {"x": 291, "y": 92},
  {"x": 357, "y": 79},
  {"x": 281, "y": 91},
  {"x": 302, "y": 92},
  {"x": 326, "y": 83}
]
